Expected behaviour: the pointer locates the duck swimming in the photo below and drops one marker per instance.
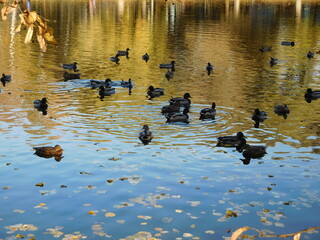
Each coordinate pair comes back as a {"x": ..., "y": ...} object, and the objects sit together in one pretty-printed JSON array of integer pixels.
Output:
[
  {"x": 310, "y": 54},
  {"x": 106, "y": 91},
  {"x": 232, "y": 141},
  {"x": 69, "y": 76},
  {"x": 41, "y": 105},
  {"x": 172, "y": 108},
  {"x": 5, "y": 79},
  {"x": 208, "y": 113},
  {"x": 265, "y": 49},
  {"x": 168, "y": 65},
  {"x": 282, "y": 110},
  {"x": 48, "y": 151},
  {"x": 115, "y": 59},
  {"x": 259, "y": 116},
  {"x": 178, "y": 117},
  {"x": 71, "y": 66},
  {"x": 146, "y": 57},
  {"x": 126, "y": 84},
  {"x": 169, "y": 74},
  {"x": 209, "y": 68},
  {"x": 155, "y": 92},
  {"x": 146, "y": 135},
  {"x": 182, "y": 101},
  {"x": 311, "y": 95},
  {"x": 273, "y": 61},
  {"x": 124, "y": 53},
  {"x": 257, "y": 151}
]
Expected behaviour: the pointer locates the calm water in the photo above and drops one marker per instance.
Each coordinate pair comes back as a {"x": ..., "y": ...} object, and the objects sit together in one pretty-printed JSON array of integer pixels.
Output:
[{"x": 110, "y": 185}]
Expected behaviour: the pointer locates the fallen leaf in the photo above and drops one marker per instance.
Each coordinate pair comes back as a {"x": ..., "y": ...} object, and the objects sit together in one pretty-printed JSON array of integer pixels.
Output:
[
  {"x": 238, "y": 232},
  {"x": 110, "y": 214}
]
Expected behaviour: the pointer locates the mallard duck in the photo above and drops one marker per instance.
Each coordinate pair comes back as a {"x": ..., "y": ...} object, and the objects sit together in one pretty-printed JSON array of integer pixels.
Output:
[
  {"x": 168, "y": 65},
  {"x": 69, "y": 76},
  {"x": 178, "y": 117},
  {"x": 259, "y": 116},
  {"x": 115, "y": 59},
  {"x": 41, "y": 105},
  {"x": 71, "y": 66},
  {"x": 281, "y": 109},
  {"x": 257, "y": 151},
  {"x": 146, "y": 57},
  {"x": 232, "y": 141},
  {"x": 48, "y": 151},
  {"x": 145, "y": 135},
  {"x": 312, "y": 95},
  {"x": 124, "y": 53},
  {"x": 286, "y": 43},
  {"x": 182, "y": 101},
  {"x": 97, "y": 83},
  {"x": 5, "y": 79},
  {"x": 273, "y": 61},
  {"x": 169, "y": 74},
  {"x": 155, "y": 92},
  {"x": 126, "y": 84},
  {"x": 208, "y": 113},
  {"x": 172, "y": 108},
  {"x": 106, "y": 91},
  {"x": 265, "y": 49},
  {"x": 209, "y": 68},
  {"x": 310, "y": 54}
]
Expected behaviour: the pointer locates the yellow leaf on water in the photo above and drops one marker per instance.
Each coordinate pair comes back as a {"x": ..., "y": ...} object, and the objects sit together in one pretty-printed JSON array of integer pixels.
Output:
[
  {"x": 110, "y": 214},
  {"x": 238, "y": 232},
  {"x": 19, "y": 236},
  {"x": 178, "y": 211},
  {"x": 7, "y": 187},
  {"x": 297, "y": 236},
  {"x": 4, "y": 13},
  {"x": 92, "y": 213}
]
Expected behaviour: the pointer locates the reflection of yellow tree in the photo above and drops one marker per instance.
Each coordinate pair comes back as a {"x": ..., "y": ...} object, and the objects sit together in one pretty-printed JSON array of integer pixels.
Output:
[{"x": 31, "y": 20}]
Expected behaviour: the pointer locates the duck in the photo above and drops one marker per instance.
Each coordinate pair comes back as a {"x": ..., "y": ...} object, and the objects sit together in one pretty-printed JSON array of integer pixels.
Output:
[
  {"x": 124, "y": 53},
  {"x": 126, "y": 84},
  {"x": 208, "y": 113},
  {"x": 265, "y": 49},
  {"x": 5, "y": 79},
  {"x": 259, "y": 116},
  {"x": 178, "y": 117},
  {"x": 209, "y": 68},
  {"x": 172, "y": 108},
  {"x": 232, "y": 141},
  {"x": 169, "y": 74},
  {"x": 106, "y": 91},
  {"x": 310, "y": 54},
  {"x": 145, "y": 135},
  {"x": 182, "y": 101},
  {"x": 97, "y": 83},
  {"x": 41, "y": 105},
  {"x": 273, "y": 61},
  {"x": 286, "y": 43},
  {"x": 48, "y": 151},
  {"x": 146, "y": 57},
  {"x": 312, "y": 95},
  {"x": 69, "y": 76},
  {"x": 168, "y": 65},
  {"x": 257, "y": 151},
  {"x": 154, "y": 92},
  {"x": 282, "y": 110},
  {"x": 115, "y": 59},
  {"x": 70, "y": 66}
]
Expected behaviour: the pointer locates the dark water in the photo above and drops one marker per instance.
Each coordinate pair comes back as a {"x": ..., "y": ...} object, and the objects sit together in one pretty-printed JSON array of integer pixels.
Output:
[{"x": 110, "y": 185}]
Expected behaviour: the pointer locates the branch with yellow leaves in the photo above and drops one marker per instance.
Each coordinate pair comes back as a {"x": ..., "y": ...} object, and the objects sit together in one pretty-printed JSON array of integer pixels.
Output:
[
  {"x": 296, "y": 235},
  {"x": 31, "y": 20}
]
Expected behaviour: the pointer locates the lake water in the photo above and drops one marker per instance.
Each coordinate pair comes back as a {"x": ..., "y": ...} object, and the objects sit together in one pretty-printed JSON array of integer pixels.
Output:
[{"x": 180, "y": 186}]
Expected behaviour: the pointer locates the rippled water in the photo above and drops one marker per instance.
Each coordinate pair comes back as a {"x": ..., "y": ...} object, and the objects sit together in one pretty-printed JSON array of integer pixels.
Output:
[{"x": 110, "y": 185}]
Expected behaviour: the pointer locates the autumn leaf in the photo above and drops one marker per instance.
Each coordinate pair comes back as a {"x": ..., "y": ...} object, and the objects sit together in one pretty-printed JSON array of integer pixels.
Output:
[
  {"x": 110, "y": 214},
  {"x": 42, "y": 43},
  {"x": 29, "y": 34},
  {"x": 297, "y": 236},
  {"x": 238, "y": 232},
  {"x": 4, "y": 13}
]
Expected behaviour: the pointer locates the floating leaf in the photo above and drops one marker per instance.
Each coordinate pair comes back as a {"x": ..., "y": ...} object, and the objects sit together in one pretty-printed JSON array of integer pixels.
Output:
[
  {"x": 92, "y": 213},
  {"x": 7, "y": 187},
  {"x": 238, "y": 232},
  {"x": 187, "y": 235},
  {"x": 40, "y": 184},
  {"x": 4, "y": 13},
  {"x": 297, "y": 236},
  {"x": 110, "y": 214},
  {"x": 19, "y": 236}
]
